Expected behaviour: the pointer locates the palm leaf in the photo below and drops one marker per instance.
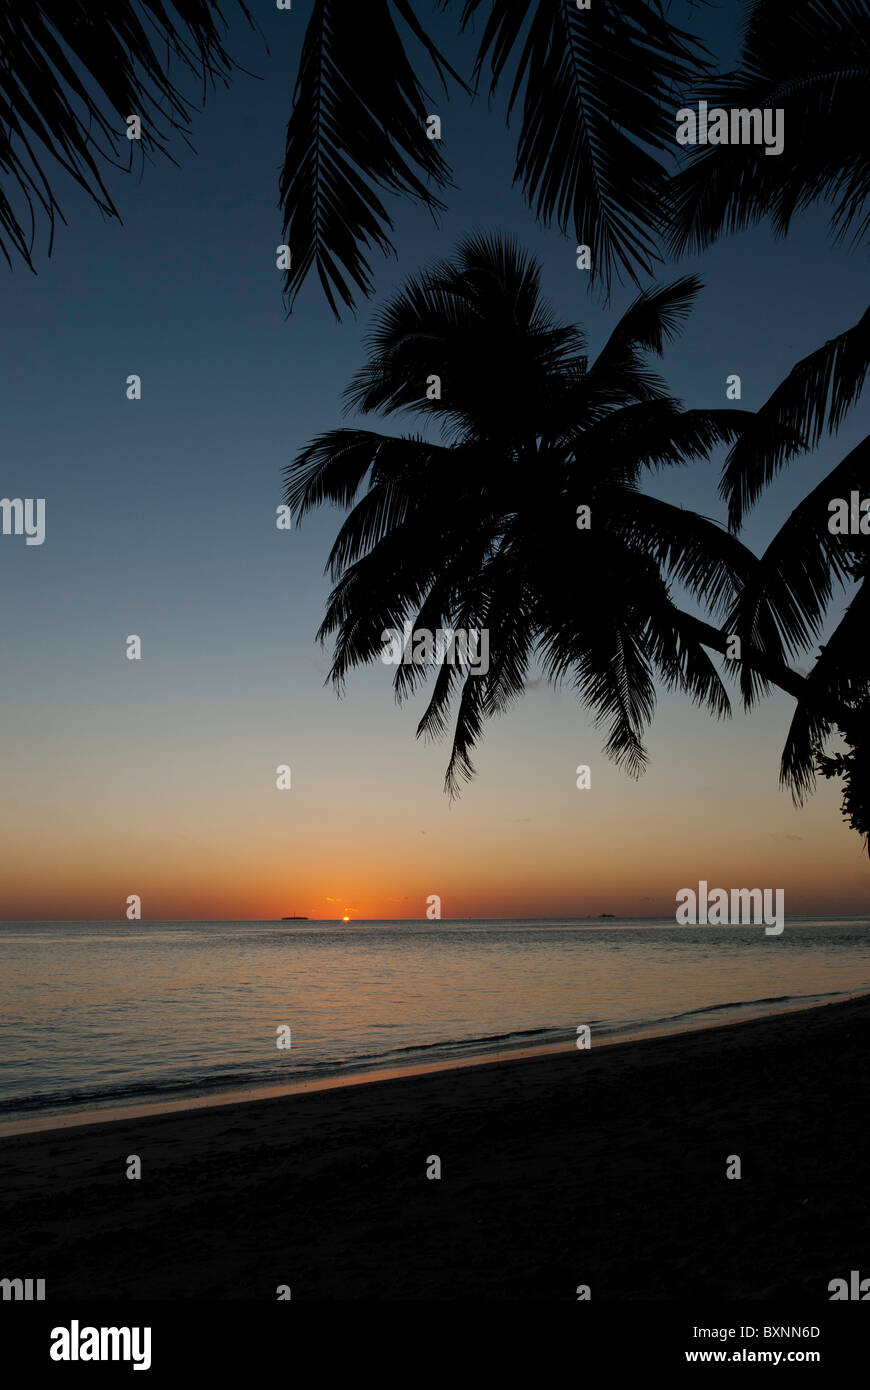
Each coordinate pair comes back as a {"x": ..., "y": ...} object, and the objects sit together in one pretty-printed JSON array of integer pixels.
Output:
[
  {"x": 814, "y": 397},
  {"x": 701, "y": 555},
  {"x": 357, "y": 128},
  {"x": 70, "y": 74},
  {"x": 597, "y": 115},
  {"x": 649, "y": 435},
  {"x": 783, "y": 603},
  {"x": 811, "y": 59},
  {"x": 333, "y": 467},
  {"x": 607, "y": 666},
  {"x": 841, "y": 672}
]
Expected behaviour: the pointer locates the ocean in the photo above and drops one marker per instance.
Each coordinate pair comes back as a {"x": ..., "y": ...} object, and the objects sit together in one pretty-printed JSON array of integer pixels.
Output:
[{"x": 96, "y": 1016}]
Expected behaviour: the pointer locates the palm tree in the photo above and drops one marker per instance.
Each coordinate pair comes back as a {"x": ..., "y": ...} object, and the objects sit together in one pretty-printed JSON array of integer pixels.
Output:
[
  {"x": 71, "y": 72},
  {"x": 479, "y": 530},
  {"x": 811, "y": 59}
]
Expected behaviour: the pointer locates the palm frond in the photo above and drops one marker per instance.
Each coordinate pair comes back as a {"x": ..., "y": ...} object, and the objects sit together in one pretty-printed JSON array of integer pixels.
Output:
[
  {"x": 333, "y": 467},
  {"x": 811, "y": 59},
  {"x": 621, "y": 374},
  {"x": 650, "y": 435},
  {"x": 599, "y": 652},
  {"x": 377, "y": 592},
  {"x": 597, "y": 111},
  {"x": 685, "y": 664},
  {"x": 783, "y": 603},
  {"x": 470, "y": 719},
  {"x": 841, "y": 672},
  {"x": 814, "y": 397},
  {"x": 498, "y": 604},
  {"x": 706, "y": 559},
  {"x": 70, "y": 74},
  {"x": 655, "y": 317},
  {"x": 357, "y": 128}
]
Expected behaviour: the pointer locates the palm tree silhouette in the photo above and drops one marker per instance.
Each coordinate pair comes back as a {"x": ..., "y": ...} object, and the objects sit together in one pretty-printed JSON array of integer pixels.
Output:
[
  {"x": 480, "y": 530},
  {"x": 813, "y": 61}
]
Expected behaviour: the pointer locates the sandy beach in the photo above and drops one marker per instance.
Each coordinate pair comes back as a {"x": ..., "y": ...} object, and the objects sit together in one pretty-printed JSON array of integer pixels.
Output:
[{"x": 604, "y": 1167}]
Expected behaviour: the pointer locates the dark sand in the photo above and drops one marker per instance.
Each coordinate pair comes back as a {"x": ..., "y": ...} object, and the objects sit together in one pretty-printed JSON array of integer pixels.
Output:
[{"x": 604, "y": 1167}]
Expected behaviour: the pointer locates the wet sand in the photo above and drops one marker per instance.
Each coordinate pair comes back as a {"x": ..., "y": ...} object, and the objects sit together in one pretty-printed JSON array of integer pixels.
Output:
[{"x": 604, "y": 1167}]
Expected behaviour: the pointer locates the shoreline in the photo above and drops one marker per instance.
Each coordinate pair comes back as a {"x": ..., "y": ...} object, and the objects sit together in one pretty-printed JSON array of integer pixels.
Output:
[
  {"x": 605, "y": 1167},
  {"x": 252, "y": 1095}
]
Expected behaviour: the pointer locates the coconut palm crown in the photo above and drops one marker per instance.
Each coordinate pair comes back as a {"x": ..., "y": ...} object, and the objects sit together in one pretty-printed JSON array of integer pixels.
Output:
[{"x": 478, "y": 529}]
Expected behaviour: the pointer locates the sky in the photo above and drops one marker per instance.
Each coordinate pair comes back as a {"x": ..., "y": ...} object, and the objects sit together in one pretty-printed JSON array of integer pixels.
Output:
[{"x": 158, "y": 777}]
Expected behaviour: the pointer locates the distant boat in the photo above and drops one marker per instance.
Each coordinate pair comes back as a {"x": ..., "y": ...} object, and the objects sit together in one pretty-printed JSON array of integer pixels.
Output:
[{"x": 294, "y": 919}]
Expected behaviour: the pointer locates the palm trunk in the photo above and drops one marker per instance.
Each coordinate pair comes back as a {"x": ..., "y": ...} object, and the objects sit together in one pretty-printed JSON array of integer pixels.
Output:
[{"x": 777, "y": 672}]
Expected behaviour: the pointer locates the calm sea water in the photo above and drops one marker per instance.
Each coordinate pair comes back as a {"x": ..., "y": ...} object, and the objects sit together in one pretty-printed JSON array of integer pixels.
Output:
[{"x": 102, "y": 1014}]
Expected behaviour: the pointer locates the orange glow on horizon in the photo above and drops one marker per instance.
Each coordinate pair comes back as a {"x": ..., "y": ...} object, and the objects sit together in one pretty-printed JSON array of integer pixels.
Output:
[{"x": 502, "y": 852}]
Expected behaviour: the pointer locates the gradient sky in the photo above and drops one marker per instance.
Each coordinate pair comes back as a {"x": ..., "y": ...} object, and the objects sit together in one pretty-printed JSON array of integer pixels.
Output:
[{"x": 158, "y": 777}]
